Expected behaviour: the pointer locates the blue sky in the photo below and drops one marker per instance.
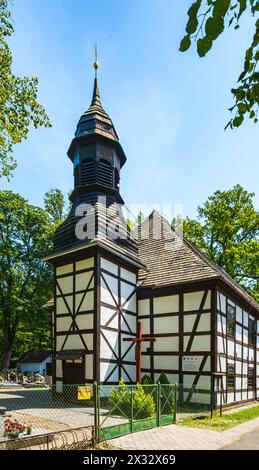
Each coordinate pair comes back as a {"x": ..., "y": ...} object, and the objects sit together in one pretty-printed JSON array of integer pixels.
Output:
[{"x": 168, "y": 108}]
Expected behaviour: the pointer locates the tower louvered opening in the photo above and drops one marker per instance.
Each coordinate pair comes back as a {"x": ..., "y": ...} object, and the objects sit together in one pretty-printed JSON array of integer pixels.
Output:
[
  {"x": 87, "y": 172},
  {"x": 76, "y": 177},
  {"x": 104, "y": 173}
]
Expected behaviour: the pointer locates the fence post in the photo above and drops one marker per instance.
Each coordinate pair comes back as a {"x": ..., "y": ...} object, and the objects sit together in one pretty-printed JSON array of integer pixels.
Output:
[
  {"x": 158, "y": 403},
  {"x": 96, "y": 412},
  {"x": 131, "y": 410},
  {"x": 175, "y": 402}
]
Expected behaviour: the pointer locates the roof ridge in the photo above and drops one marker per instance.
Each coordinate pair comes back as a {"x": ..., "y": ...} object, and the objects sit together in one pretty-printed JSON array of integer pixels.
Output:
[{"x": 218, "y": 270}]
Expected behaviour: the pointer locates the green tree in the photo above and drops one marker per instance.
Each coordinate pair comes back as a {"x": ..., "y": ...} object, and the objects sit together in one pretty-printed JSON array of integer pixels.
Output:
[
  {"x": 25, "y": 280},
  {"x": 18, "y": 99},
  {"x": 54, "y": 203},
  {"x": 227, "y": 230},
  {"x": 207, "y": 19}
]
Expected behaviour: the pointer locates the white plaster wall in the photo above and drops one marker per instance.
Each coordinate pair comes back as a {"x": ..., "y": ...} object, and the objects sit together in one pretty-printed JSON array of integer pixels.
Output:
[
  {"x": 85, "y": 322},
  {"x": 245, "y": 336},
  {"x": 87, "y": 303},
  {"x": 105, "y": 293},
  {"x": 145, "y": 362},
  {"x": 230, "y": 397},
  {"x": 89, "y": 367},
  {"x": 109, "y": 266},
  {"x": 59, "y": 369},
  {"x": 128, "y": 323},
  {"x": 106, "y": 314},
  {"x": 200, "y": 343},
  {"x": 238, "y": 367},
  {"x": 125, "y": 345},
  {"x": 167, "y": 344},
  {"x": 83, "y": 279},
  {"x": 67, "y": 268},
  {"x": 238, "y": 382},
  {"x": 238, "y": 350},
  {"x": 231, "y": 348},
  {"x": 145, "y": 327},
  {"x": 128, "y": 275},
  {"x": 239, "y": 314},
  {"x": 166, "y": 362},
  {"x": 204, "y": 382},
  {"x": 105, "y": 370},
  {"x": 65, "y": 285},
  {"x": 193, "y": 300},
  {"x": 220, "y": 347},
  {"x": 105, "y": 350},
  {"x": 203, "y": 325},
  {"x": 143, "y": 307},
  {"x": 85, "y": 264},
  {"x": 166, "y": 325},
  {"x": 245, "y": 318},
  {"x": 167, "y": 304},
  {"x": 238, "y": 333},
  {"x": 222, "y": 364},
  {"x": 221, "y": 302},
  {"x": 126, "y": 292},
  {"x": 221, "y": 324},
  {"x": 131, "y": 370},
  {"x": 61, "y": 306},
  {"x": 63, "y": 324}
]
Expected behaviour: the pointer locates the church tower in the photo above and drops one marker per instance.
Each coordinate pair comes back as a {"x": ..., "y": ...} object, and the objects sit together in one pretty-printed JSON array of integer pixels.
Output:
[{"x": 95, "y": 262}]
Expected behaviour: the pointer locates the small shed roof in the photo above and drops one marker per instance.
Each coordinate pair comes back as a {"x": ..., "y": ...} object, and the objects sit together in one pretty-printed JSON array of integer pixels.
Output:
[{"x": 34, "y": 356}]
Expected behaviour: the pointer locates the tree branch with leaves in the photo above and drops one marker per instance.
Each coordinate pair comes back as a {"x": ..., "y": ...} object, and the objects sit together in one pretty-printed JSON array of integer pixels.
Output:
[
  {"x": 19, "y": 107},
  {"x": 207, "y": 21}
]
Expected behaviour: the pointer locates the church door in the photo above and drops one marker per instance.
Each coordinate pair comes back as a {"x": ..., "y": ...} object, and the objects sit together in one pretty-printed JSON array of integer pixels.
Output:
[{"x": 73, "y": 372}]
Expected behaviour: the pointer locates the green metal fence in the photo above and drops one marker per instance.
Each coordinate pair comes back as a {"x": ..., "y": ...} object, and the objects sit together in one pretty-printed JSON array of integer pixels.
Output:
[{"x": 123, "y": 409}]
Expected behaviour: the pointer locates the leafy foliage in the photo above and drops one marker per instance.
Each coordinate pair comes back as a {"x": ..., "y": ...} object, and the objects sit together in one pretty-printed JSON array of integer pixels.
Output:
[
  {"x": 207, "y": 20},
  {"x": 122, "y": 399},
  {"x": 54, "y": 203},
  {"x": 227, "y": 230},
  {"x": 18, "y": 99},
  {"x": 25, "y": 280},
  {"x": 146, "y": 380}
]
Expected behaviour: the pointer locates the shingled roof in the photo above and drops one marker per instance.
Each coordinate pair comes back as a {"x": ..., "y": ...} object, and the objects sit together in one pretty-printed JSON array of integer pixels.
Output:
[
  {"x": 172, "y": 260},
  {"x": 34, "y": 356}
]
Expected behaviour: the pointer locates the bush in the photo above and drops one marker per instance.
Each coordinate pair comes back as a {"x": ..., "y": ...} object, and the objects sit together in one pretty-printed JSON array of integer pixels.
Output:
[
  {"x": 146, "y": 380},
  {"x": 120, "y": 400},
  {"x": 167, "y": 395}
]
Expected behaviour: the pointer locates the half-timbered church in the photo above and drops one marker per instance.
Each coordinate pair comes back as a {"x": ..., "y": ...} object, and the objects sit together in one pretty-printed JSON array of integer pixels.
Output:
[{"x": 107, "y": 279}]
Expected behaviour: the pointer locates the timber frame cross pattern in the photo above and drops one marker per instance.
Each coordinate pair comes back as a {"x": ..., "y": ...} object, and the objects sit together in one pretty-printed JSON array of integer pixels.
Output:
[{"x": 138, "y": 340}]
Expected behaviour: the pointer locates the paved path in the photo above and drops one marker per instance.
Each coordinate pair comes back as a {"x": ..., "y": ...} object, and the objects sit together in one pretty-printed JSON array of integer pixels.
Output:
[
  {"x": 174, "y": 437},
  {"x": 248, "y": 441}
]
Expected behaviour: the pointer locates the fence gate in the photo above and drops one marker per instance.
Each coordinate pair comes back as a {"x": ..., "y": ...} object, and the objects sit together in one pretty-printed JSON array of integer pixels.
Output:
[{"x": 123, "y": 409}]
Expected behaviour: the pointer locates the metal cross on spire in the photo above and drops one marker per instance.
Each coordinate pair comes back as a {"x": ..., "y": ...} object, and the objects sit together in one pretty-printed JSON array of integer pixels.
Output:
[{"x": 96, "y": 63}]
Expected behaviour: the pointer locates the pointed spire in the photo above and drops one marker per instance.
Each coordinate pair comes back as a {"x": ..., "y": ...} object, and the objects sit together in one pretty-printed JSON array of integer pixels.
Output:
[{"x": 96, "y": 101}]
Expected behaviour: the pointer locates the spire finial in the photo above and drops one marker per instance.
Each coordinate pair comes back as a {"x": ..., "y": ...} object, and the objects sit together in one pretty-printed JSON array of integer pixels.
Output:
[{"x": 96, "y": 63}]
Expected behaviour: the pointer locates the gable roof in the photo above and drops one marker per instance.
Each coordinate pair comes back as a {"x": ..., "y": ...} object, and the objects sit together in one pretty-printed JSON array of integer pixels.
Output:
[
  {"x": 172, "y": 260},
  {"x": 34, "y": 356}
]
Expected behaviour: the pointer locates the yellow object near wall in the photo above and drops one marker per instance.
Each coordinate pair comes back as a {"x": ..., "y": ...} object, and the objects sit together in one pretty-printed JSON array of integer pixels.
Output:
[{"x": 84, "y": 393}]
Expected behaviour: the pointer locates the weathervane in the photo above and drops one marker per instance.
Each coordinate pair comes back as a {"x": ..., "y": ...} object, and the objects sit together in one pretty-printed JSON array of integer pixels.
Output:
[{"x": 96, "y": 63}]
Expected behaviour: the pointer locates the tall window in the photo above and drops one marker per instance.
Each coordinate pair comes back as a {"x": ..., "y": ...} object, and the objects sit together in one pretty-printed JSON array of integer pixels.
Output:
[
  {"x": 251, "y": 381},
  {"x": 251, "y": 331},
  {"x": 231, "y": 317},
  {"x": 230, "y": 376}
]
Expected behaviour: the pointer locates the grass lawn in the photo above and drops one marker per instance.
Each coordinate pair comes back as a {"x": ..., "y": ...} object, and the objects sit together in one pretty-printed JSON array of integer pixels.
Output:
[{"x": 218, "y": 423}]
